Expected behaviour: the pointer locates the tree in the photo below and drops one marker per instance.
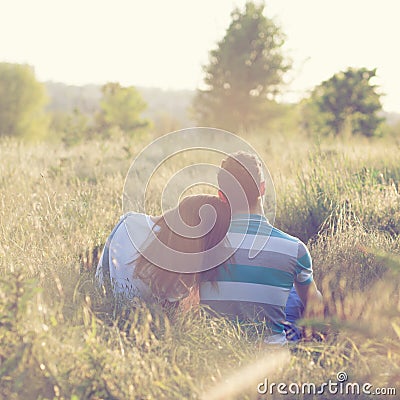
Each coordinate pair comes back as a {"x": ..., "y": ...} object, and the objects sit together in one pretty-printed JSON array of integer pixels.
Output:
[
  {"x": 346, "y": 102},
  {"x": 121, "y": 107},
  {"x": 73, "y": 127},
  {"x": 22, "y": 101},
  {"x": 244, "y": 72}
]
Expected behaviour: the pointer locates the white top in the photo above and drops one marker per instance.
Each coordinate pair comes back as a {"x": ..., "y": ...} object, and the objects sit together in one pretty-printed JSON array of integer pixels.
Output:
[{"x": 131, "y": 233}]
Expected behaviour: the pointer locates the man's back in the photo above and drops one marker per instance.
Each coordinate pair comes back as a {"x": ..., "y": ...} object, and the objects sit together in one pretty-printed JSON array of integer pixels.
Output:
[{"x": 257, "y": 288}]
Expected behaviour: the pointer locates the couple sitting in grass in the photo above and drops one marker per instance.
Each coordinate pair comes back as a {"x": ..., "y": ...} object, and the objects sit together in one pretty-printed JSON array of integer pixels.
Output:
[{"x": 242, "y": 268}]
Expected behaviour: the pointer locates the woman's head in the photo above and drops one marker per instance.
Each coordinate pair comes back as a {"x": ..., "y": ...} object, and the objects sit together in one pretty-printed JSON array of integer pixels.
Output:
[{"x": 197, "y": 224}]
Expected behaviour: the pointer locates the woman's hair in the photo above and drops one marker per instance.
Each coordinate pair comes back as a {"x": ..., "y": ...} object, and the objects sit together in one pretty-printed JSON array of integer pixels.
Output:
[{"x": 164, "y": 283}]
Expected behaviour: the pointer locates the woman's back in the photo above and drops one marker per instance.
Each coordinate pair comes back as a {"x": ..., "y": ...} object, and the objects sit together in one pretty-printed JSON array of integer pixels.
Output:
[
  {"x": 117, "y": 262},
  {"x": 162, "y": 258}
]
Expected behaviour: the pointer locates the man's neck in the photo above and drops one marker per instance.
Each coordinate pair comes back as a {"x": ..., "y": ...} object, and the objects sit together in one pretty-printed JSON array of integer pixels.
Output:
[{"x": 256, "y": 209}]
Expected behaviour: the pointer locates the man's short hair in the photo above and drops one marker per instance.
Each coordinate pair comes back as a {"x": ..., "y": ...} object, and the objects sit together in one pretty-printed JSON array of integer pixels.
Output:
[{"x": 246, "y": 169}]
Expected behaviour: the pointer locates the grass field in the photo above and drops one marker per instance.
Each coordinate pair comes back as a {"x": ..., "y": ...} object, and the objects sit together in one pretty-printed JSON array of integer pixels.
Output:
[{"x": 60, "y": 339}]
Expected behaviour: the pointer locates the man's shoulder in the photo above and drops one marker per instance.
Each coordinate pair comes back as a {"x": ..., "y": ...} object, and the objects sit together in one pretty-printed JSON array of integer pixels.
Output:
[
  {"x": 275, "y": 232},
  {"x": 302, "y": 249},
  {"x": 262, "y": 236}
]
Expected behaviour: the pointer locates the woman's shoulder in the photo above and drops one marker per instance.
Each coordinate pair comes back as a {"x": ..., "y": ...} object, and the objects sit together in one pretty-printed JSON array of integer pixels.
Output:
[
  {"x": 137, "y": 225},
  {"x": 139, "y": 218}
]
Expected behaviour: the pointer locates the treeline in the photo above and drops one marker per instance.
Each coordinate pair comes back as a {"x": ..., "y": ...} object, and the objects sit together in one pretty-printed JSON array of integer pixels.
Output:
[
  {"x": 242, "y": 81},
  {"x": 161, "y": 104}
]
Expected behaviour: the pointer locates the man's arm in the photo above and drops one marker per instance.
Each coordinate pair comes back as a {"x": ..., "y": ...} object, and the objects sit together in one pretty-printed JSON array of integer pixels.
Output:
[
  {"x": 305, "y": 285},
  {"x": 311, "y": 298}
]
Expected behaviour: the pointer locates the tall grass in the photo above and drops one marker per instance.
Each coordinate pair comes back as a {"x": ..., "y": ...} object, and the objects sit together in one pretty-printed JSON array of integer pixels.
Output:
[{"x": 60, "y": 339}]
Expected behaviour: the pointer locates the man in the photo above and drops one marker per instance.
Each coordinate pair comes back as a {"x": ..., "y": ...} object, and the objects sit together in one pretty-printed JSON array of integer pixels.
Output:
[{"x": 256, "y": 288}]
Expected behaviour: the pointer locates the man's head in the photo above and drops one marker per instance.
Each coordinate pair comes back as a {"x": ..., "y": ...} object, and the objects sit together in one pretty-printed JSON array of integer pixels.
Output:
[{"x": 243, "y": 170}]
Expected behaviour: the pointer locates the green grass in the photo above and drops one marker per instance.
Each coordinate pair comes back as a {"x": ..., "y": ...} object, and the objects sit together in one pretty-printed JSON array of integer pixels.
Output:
[{"x": 60, "y": 339}]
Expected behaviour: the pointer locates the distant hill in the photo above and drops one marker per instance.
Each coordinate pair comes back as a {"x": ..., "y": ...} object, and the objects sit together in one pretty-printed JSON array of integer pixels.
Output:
[
  {"x": 65, "y": 98},
  {"x": 392, "y": 118},
  {"x": 162, "y": 104},
  {"x": 175, "y": 103}
]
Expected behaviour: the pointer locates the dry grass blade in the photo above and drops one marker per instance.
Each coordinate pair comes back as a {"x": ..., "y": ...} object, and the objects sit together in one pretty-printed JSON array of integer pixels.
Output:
[{"x": 249, "y": 376}]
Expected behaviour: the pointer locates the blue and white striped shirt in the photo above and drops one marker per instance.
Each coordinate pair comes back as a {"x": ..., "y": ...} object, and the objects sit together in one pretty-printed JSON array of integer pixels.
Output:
[{"x": 257, "y": 288}]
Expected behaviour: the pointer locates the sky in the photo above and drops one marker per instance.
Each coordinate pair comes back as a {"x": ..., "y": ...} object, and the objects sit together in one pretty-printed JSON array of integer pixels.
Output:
[{"x": 164, "y": 43}]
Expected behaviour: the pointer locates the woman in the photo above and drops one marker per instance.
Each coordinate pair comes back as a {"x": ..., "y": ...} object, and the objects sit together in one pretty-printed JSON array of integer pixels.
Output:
[{"x": 162, "y": 258}]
